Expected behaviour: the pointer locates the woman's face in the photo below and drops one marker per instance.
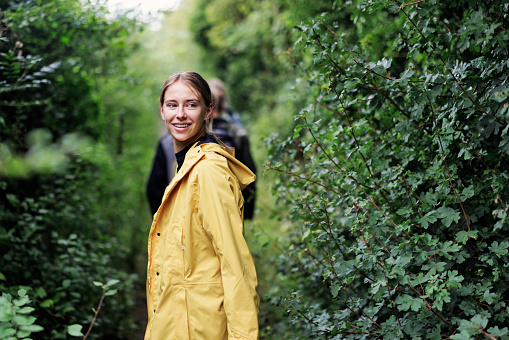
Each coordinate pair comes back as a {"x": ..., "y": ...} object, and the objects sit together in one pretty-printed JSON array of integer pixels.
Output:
[{"x": 184, "y": 113}]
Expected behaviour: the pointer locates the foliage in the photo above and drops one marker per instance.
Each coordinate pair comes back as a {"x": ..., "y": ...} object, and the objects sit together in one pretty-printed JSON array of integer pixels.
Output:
[
  {"x": 15, "y": 319},
  {"x": 75, "y": 330},
  {"x": 247, "y": 43},
  {"x": 397, "y": 174},
  {"x": 56, "y": 173}
]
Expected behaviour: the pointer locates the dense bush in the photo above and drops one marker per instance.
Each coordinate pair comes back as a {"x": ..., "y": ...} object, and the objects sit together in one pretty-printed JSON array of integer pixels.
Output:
[
  {"x": 57, "y": 235},
  {"x": 397, "y": 174}
]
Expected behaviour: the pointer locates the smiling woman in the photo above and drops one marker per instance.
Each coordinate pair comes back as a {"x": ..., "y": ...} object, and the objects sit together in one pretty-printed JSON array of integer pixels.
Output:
[{"x": 201, "y": 279}]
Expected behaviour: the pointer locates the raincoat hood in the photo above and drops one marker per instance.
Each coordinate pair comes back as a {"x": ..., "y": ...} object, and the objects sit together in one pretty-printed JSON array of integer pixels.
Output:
[{"x": 242, "y": 172}]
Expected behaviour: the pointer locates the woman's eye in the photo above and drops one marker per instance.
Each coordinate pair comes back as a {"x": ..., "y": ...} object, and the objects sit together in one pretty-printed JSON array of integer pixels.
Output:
[
  {"x": 191, "y": 105},
  {"x": 171, "y": 105}
]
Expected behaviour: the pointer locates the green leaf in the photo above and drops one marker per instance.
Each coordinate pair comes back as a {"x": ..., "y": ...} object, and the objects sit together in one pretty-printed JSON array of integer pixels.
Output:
[
  {"x": 335, "y": 288},
  {"x": 46, "y": 303},
  {"x": 25, "y": 310},
  {"x": 407, "y": 74},
  {"x": 112, "y": 282},
  {"x": 426, "y": 219},
  {"x": 21, "y": 301},
  {"x": 351, "y": 84},
  {"x": 7, "y": 332},
  {"x": 448, "y": 215},
  {"x": 110, "y": 292},
  {"x": 468, "y": 192},
  {"x": 463, "y": 236},
  {"x": 297, "y": 130},
  {"x": 75, "y": 330},
  {"x": 406, "y": 302},
  {"x": 22, "y": 333},
  {"x": 24, "y": 320},
  {"x": 499, "y": 249},
  {"x": 32, "y": 328},
  {"x": 495, "y": 331},
  {"x": 480, "y": 321}
]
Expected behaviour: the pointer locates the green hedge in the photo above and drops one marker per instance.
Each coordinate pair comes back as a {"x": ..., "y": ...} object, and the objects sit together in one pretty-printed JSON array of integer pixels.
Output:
[
  {"x": 397, "y": 174},
  {"x": 57, "y": 235}
]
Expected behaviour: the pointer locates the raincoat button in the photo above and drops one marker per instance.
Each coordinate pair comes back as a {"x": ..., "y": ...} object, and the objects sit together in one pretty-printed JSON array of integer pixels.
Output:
[
  {"x": 157, "y": 273},
  {"x": 158, "y": 234}
]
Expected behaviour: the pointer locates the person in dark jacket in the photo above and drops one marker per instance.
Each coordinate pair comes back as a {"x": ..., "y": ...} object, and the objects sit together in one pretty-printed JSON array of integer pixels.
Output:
[{"x": 227, "y": 126}]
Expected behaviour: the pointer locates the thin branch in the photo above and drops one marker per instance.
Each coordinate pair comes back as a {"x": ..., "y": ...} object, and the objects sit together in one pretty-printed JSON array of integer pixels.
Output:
[{"x": 95, "y": 315}]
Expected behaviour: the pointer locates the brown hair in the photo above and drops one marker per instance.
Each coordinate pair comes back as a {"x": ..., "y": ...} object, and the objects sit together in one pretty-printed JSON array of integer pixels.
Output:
[
  {"x": 194, "y": 81},
  {"x": 198, "y": 84},
  {"x": 218, "y": 94}
]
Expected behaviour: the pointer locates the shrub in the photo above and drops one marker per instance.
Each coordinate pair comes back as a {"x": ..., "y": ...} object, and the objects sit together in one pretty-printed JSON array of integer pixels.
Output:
[
  {"x": 56, "y": 237},
  {"x": 397, "y": 174},
  {"x": 15, "y": 319}
]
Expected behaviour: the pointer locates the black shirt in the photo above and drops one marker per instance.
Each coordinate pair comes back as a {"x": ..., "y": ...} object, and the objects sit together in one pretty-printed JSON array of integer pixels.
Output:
[{"x": 181, "y": 155}]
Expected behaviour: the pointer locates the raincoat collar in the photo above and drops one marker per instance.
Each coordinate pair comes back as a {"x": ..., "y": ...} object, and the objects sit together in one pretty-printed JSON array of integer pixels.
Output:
[{"x": 197, "y": 152}]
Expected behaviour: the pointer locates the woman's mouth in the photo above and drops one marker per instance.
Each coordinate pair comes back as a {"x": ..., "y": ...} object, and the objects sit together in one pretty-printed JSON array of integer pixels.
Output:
[{"x": 181, "y": 126}]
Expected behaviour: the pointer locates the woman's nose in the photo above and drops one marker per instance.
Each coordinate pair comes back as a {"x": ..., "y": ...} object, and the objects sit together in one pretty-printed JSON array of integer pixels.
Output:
[{"x": 181, "y": 113}]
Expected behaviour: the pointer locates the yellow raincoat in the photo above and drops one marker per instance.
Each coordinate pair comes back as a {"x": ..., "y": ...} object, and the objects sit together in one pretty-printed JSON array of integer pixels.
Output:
[{"x": 201, "y": 279}]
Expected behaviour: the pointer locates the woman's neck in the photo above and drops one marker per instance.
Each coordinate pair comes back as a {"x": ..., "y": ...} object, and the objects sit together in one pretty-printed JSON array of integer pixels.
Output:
[{"x": 179, "y": 146}]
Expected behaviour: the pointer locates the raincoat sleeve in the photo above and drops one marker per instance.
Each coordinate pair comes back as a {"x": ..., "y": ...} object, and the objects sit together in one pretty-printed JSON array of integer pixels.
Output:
[{"x": 220, "y": 202}]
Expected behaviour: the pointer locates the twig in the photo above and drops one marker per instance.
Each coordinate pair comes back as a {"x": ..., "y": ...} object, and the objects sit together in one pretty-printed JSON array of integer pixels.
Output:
[{"x": 96, "y": 313}]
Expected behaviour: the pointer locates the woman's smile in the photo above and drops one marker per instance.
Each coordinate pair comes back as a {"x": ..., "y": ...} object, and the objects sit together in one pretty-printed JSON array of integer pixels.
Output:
[{"x": 181, "y": 126}]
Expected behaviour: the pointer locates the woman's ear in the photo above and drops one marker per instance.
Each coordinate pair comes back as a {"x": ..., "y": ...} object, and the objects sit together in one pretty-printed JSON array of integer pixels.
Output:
[
  {"x": 208, "y": 114},
  {"x": 162, "y": 113}
]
